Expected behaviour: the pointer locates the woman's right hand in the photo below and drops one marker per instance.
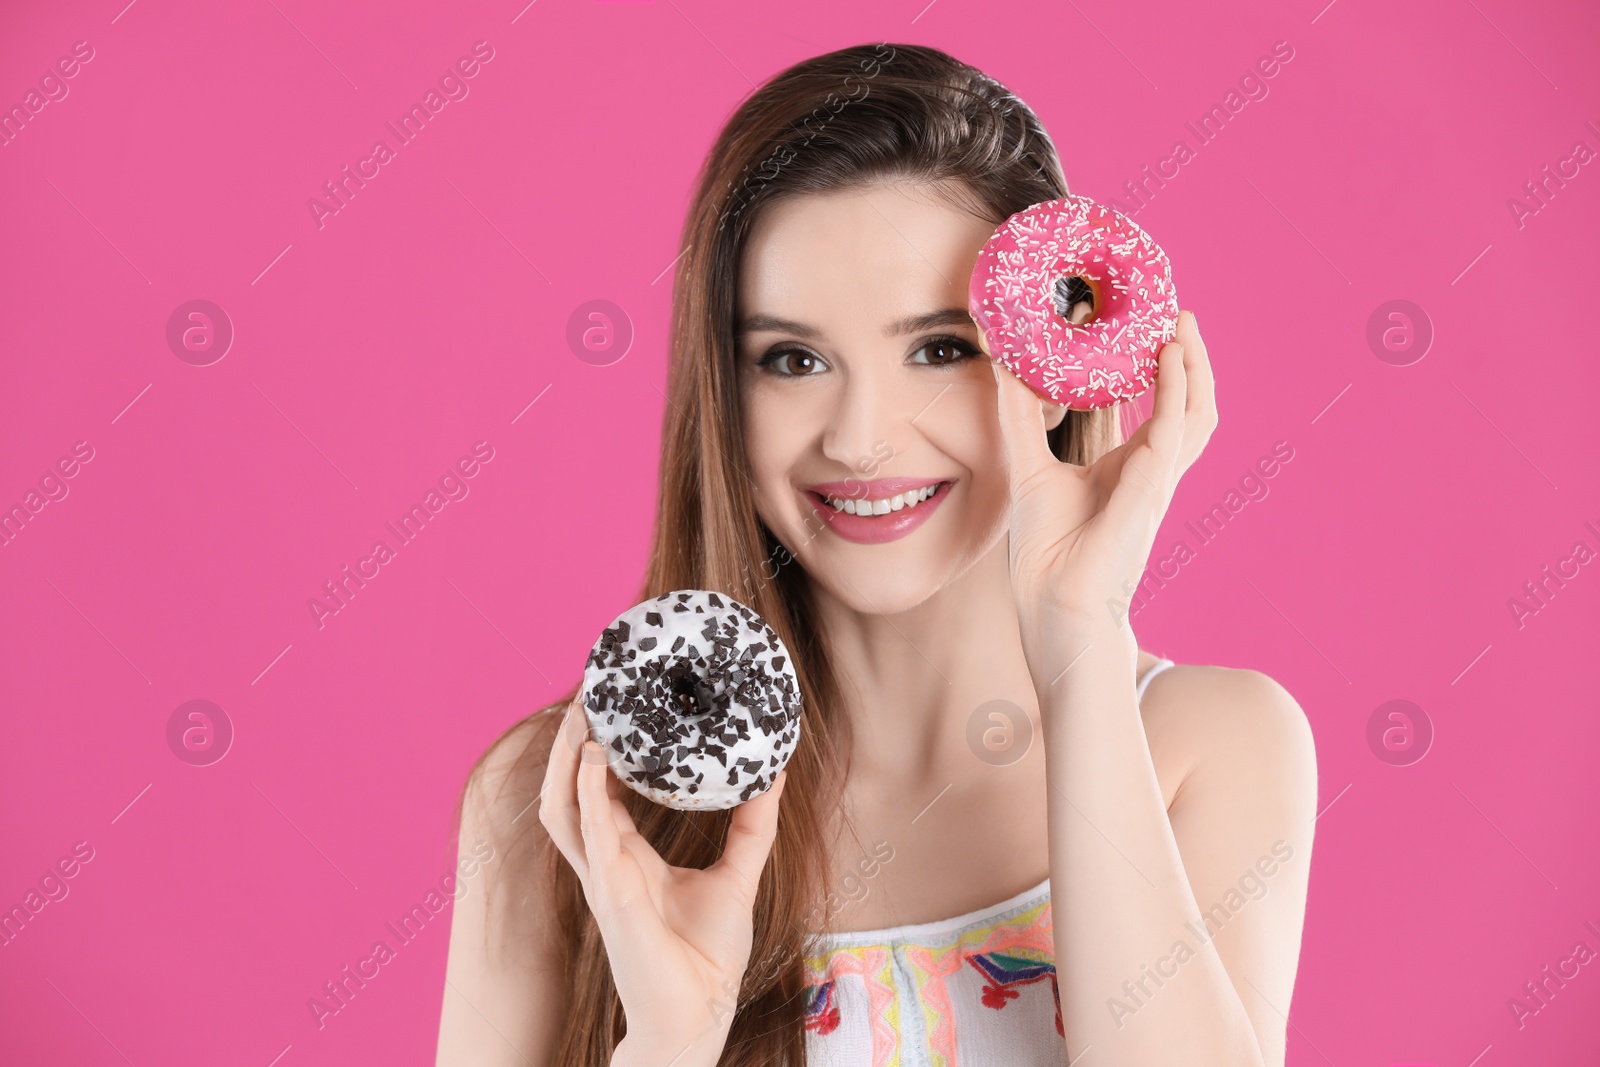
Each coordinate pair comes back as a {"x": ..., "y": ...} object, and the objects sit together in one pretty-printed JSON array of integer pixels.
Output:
[{"x": 678, "y": 939}]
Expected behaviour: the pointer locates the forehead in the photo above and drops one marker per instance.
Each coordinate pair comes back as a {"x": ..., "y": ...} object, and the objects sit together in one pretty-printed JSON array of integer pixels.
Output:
[{"x": 862, "y": 254}]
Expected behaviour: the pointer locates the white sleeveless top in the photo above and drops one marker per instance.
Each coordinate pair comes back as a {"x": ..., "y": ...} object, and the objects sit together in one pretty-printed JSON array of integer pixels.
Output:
[{"x": 972, "y": 991}]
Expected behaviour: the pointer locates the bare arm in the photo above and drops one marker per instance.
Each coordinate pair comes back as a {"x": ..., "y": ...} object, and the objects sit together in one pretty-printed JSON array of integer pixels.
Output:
[
  {"x": 677, "y": 939},
  {"x": 1243, "y": 820},
  {"x": 1178, "y": 929},
  {"x": 504, "y": 993},
  {"x": 1145, "y": 977}
]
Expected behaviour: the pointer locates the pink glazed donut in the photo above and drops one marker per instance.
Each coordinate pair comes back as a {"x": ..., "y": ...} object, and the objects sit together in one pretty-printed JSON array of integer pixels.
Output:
[{"x": 1076, "y": 300}]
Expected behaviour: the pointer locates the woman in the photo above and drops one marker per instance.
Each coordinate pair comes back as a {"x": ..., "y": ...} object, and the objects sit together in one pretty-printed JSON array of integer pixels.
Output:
[{"x": 980, "y": 723}]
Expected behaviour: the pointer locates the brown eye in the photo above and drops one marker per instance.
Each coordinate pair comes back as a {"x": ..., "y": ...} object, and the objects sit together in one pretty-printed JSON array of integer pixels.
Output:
[
  {"x": 942, "y": 351},
  {"x": 792, "y": 362}
]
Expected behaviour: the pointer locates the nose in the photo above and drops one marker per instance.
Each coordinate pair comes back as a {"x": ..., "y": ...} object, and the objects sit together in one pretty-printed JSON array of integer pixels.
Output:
[{"x": 863, "y": 424}]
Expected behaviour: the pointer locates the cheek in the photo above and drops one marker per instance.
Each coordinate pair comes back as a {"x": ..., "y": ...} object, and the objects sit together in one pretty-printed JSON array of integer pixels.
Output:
[
  {"x": 964, "y": 425},
  {"x": 775, "y": 438},
  {"x": 978, "y": 516}
]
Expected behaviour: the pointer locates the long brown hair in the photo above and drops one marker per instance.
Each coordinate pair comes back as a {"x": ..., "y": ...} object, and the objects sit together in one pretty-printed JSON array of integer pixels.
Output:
[{"x": 856, "y": 115}]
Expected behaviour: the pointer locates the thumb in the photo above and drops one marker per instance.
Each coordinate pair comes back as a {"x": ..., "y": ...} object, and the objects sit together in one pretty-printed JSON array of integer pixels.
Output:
[
  {"x": 1022, "y": 428},
  {"x": 750, "y": 834}
]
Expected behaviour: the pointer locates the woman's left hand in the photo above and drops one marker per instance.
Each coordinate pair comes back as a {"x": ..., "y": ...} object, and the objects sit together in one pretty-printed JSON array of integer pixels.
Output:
[{"x": 1081, "y": 535}]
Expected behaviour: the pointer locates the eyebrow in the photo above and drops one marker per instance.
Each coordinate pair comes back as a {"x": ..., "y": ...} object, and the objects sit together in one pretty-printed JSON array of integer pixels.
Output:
[
  {"x": 773, "y": 324},
  {"x": 917, "y": 323},
  {"x": 951, "y": 316}
]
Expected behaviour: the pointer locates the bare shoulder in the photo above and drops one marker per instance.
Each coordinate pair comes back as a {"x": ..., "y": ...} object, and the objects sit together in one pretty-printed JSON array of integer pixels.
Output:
[
  {"x": 508, "y": 774},
  {"x": 500, "y": 814},
  {"x": 1207, "y": 724},
  {"x": 504, "y": 981}
]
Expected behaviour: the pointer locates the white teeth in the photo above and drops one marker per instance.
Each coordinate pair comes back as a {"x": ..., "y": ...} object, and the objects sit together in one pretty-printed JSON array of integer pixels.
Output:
[{"x": 898, "y": 502}]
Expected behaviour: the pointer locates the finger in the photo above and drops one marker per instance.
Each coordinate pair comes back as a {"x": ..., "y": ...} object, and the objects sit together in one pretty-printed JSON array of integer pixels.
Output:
[
  {"x": 1202, "y": 393},
  {"x": 1201, "y": 406},
  {"x": 617, "y": 891},
  {"x": 614, "y": 793},
  {"x": 1022, "y": 429},
  {"x": 1110, "y": 467},
  {"x": 613, "y": 888},
  {"x": 628, "y": 835},
  {"x": 595, "y": 819},
  {"x": 1167, "y": 414},
  {"x": 558, "y": 810},
  {"x": 1144, "y": 486},
  {"x": 614, "y": 785},
  {"x": 750, "y": 834}
]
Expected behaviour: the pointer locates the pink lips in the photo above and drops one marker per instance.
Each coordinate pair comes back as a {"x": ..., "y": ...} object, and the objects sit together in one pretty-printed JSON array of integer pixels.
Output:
[{"x": 875, "y": 529}]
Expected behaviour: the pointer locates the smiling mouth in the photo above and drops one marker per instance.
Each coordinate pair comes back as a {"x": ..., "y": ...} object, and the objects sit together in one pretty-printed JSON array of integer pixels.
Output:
[
  {"x": 872, "y": 508},
  {"x": 876, "y": 520}
]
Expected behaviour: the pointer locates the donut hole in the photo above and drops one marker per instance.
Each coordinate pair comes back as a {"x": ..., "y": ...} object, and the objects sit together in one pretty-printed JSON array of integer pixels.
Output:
[
  {"x": 1076, "y": 298},
  {"x": 687, "y": 692}
]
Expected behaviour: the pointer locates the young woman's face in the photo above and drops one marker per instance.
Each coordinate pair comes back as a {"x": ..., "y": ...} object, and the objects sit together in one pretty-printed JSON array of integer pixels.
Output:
[{"x": 863, "y": 385}]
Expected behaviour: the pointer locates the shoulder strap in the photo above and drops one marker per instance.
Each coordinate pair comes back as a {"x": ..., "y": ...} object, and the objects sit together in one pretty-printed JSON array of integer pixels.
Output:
[{"x": 1155, "y": 668}]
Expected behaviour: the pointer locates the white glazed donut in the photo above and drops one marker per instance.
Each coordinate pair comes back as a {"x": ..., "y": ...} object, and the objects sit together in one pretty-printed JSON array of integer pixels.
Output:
[{"x": 694, "y": 700}]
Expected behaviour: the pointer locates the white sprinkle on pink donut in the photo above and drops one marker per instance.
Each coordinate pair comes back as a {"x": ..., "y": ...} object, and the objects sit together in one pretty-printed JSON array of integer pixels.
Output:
[{"x": 1013, "y": 296}]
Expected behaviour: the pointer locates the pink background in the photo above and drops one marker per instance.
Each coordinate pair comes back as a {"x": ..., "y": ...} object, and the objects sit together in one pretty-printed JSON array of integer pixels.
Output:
[{"x": 372, "y": 353}]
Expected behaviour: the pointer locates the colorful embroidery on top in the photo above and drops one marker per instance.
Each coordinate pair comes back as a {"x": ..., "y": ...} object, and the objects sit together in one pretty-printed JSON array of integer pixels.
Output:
[
  {"x": 872, "y": 969},
  {"x": 1006, "y": 957},
  {"x": 1007, "y": 972},
  {"x": 821, "y": 1014}
]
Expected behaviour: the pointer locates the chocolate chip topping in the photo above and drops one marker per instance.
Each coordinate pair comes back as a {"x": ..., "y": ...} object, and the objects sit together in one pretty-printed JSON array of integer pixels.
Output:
[{"x": 722, "y": 691}]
